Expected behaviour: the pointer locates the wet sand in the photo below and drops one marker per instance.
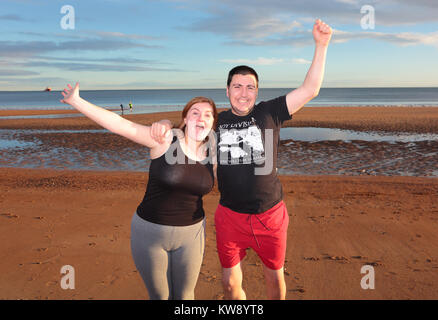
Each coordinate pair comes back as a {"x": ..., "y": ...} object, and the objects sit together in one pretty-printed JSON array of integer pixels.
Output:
[
  {"x": 52, "y": 218},
  {"x": 101, "y": 150},
  {"x": 8, "y": 113},
  {"x": 390, "y": 119}
]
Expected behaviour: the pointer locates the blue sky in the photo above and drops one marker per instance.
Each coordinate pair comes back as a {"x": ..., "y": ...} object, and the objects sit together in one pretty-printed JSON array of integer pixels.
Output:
[{"x": 133, "y": 44}]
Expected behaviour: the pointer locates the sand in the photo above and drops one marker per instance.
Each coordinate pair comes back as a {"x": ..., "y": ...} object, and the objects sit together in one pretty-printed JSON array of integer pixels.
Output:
[
  {"x": 338, "y": 224},
  {"x": 390, "y": 119}
]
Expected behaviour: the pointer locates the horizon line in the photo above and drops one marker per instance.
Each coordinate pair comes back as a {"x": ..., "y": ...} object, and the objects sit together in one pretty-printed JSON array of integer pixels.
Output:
[{"x": 221, "y": 88}]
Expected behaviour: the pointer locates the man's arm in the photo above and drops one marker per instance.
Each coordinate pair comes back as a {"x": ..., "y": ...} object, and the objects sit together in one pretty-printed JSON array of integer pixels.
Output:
[{"x": 297, "y": 98}]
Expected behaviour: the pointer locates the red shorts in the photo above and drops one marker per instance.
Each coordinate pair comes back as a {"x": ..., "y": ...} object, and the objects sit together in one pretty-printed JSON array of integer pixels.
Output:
[{"x": 265, "y": 233}]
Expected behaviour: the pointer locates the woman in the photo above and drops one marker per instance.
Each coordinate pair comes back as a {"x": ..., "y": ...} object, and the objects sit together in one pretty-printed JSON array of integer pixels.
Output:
[{"x": 168, "y": 229}]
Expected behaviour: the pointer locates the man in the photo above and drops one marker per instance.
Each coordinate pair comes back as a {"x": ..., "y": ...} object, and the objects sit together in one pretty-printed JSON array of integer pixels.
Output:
[{"x": 251, "y": 213}]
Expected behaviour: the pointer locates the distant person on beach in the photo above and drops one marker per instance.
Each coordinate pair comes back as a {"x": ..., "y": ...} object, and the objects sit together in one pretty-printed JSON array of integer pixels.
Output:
[
  {"x": 121, "y": 107},
  {"x": 130, "y": 107},
  {"x": 168, "y": 227},
  {"x": 251, "y": 212}
]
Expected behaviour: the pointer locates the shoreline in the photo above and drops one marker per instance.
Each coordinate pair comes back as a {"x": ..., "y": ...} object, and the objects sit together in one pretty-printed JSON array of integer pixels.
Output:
[{"x": 376, "y": 119}]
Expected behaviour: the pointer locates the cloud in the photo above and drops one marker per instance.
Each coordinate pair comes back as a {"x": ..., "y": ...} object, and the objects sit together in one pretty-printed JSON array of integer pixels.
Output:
[
  {"x": 305, "y": 38},
  {"x": 265, "y": 61},
  {"x": 400, "y": 39},
  {"x": 7, "y": 72},
  {"x": 118, "y": 60},
  {"x": 257, "y": 62},
  {"x": 301, "y": 61},
  {"x": 286, "y": 22},
  {"x": 104, "y": 34},
  {"x": 351, "y": 2},
  {"x": 247, "y": 28},
  {"x": 85, "y": 41},
  {"x": 11, "y": 17},
  {"x": 79, "y": 66},
  {"x": 14, "y": 49},
  {"x": 38, "y": 81}
]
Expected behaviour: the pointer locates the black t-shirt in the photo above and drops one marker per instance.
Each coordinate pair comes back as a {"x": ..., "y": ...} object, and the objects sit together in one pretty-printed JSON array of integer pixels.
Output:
[
  {"x": 175, "y": 188},
  {"x": 247, "y": 157}
]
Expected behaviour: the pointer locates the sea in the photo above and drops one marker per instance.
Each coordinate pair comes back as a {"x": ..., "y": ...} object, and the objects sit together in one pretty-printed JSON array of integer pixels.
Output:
[{"x": 158, "y": 100}]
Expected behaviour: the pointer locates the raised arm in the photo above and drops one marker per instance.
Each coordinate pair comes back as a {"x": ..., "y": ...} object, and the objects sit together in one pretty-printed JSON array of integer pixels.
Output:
[
  {"x": 297, "y": 98},
  {"x": 109, "y": 120}
]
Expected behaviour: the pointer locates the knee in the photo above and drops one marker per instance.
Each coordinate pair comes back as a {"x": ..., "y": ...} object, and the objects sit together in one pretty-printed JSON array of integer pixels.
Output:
[
  {"x": 275, "y": 283},
  {"x": 275, "y": 279},
  {"x": 231, "y": 283}
]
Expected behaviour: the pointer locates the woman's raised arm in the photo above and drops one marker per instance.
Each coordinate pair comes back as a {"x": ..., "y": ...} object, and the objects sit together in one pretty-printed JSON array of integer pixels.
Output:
[{"x": 109, "y": 120}]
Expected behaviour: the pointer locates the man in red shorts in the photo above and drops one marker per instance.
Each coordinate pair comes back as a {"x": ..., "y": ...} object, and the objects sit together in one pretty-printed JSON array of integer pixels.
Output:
[{"x": 251, "y": 212}]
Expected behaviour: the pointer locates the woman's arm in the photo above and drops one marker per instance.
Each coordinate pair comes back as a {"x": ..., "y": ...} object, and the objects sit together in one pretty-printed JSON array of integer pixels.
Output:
[{"x": 109, "y": 120}]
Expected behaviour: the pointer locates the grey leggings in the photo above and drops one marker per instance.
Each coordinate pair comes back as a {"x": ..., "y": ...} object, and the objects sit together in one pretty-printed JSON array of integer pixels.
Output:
[{"x": 168, "y": 258}]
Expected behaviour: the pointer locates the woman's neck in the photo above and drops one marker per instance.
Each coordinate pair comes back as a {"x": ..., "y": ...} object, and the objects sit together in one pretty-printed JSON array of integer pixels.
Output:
[{"x": 194, "y": 149}]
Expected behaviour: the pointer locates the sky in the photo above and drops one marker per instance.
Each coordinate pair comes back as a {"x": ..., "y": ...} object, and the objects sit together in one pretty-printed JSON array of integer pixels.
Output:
[{"x": 134, "y": 44}]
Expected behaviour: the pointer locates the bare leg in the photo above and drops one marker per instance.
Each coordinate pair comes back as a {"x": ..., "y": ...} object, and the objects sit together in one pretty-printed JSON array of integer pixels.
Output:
[
  {"x": 275, "y": 284},
  {"x": 232, "y": 283}
]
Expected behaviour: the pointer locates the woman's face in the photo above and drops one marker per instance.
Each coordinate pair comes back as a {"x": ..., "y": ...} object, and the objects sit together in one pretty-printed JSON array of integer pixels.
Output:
[{"x": 199, "y": 121}]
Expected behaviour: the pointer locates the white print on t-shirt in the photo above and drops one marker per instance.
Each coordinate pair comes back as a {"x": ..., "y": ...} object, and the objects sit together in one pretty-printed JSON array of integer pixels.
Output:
[
  {"x": 242, "y": 143},
  {"x": 244, "y": 146}
]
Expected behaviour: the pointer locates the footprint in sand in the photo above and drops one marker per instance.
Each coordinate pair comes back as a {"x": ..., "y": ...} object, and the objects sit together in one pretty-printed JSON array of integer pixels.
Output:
[
  {"x": 9, "y": 215},
  {"x": 374, "y": 263},
  {"x": 299, "y": 289},
  {"x": 340, "y": 259},
  {"x": 311, "y": 258}
]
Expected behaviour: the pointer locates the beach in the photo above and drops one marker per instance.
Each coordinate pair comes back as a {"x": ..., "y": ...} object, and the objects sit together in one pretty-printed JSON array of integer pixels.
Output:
[
  {"x": 390, "y": 119},
  {"x": 338, "y": 223}
]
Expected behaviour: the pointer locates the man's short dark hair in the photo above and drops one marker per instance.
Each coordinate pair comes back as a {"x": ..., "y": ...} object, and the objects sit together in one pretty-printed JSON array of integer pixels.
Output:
[{"x": 243, "y": 70}]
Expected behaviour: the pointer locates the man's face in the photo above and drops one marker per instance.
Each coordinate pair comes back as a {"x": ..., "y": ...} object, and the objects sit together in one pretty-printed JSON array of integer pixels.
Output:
[{"x": 242, "y": 93}]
